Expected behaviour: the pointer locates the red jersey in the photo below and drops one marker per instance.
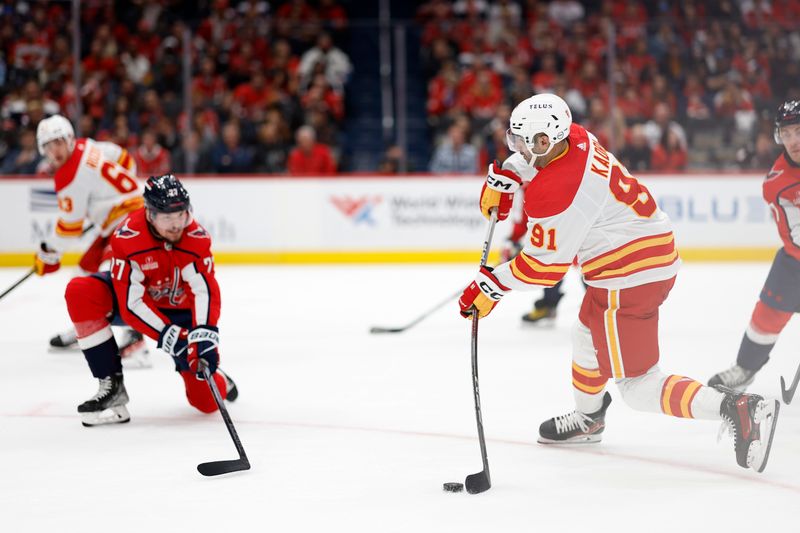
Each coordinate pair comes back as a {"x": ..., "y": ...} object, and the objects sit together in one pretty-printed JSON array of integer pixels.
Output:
[
  {"x": 151, "y": 276},
  {"x": 782, "y": 194}
]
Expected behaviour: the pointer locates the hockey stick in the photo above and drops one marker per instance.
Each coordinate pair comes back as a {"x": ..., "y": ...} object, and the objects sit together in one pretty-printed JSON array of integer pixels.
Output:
[
  {"x": 215, "y": 468},
  {"x": 788, "y": 394},
  {"x": 423, "y": 316},
  {"x": 482, "y": 481},
  {"x": 18, "y": 283},
  {"x": 33, "y": 270}
]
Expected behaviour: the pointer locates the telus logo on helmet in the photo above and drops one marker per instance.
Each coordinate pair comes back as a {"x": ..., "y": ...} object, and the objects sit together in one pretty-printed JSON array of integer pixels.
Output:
[{"x": 541, "y": 106}]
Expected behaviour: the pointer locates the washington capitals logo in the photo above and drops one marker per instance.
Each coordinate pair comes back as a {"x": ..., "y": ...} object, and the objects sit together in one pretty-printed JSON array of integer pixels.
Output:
[
  {"x": 199, "y": 233},
  {"x": 124, "y": 232},
  {"x": 357, "y": 209}
]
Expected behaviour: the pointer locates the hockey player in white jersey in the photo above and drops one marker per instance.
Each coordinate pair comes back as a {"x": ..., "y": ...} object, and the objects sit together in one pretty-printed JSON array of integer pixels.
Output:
[
  {"x": 95, "y": 184},
  {"x": 582, "y": 203}
]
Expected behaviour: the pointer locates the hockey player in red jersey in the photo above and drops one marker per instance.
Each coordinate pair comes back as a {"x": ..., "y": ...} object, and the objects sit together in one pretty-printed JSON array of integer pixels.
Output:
[
  {"x": 780, "y": 296},
  {"x": 162, "y": 284},
  {"x": 96, "y": 184},
  {"x": 581, "y": 202}
]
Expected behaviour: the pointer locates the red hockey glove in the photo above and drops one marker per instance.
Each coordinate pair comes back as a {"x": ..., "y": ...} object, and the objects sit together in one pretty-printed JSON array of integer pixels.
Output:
[
  {"x": 482, "y": 294},
  {"x": 498, "y": 191},
  {"x": 46, "y": 261},
  {"x": 173, "y": 340},
  {"x": 203, "y": 344}
]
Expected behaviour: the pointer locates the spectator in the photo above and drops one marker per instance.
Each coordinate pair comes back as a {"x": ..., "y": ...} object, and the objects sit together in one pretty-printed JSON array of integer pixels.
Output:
[
  {"x": 336, "y": 64},
  {"x": 190, "y": 157},
  {"x": 271, "y": 151},
  {"x": 565, "y": 13},
  {"x": 454, "y": 154},
  {"x": 393, "y": 161},
  {"x": 309, "y": 157},
  {"x": 661, "y": 121},
  {"x": 637, "y": 154},
  {"x": 760, "y": 156},
  {"x": 25, "y": 158},
  {"x": 151, "y": 158},
  {"x": 669, "y": 155},
  {"x": 229, "y": 156}
]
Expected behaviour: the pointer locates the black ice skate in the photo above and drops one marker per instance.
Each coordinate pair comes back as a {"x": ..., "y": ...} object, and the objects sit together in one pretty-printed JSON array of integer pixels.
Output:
[
  {"x": 751, "y": 420},
  {"x": 66, "y": 340},
  {"x": 108, "y": 405},
  {"x": 735, "y": 378},
  {"x": 540, "y": 316},
  {"x": 575, "y": 427},
  {"x": 133, "y": 350}
]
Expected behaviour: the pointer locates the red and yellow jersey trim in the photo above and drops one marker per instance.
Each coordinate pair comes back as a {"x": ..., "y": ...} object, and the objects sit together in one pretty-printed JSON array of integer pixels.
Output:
[
  {"x": 677, "y": 395},
  {"x": 528, "y": 270},
  {"x": 654, "y": 251},
  {"x": 587, "y": 380},
  {"x": 125, "y": 159},
  {"x": 120, "y": 210},
  {"x": 69, "y": 229}
]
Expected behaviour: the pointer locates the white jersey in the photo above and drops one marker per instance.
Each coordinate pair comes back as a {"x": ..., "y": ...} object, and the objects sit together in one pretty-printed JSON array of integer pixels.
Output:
[
  {"x": 96, "y": 184},
  {"x": 585, "y": 205}
]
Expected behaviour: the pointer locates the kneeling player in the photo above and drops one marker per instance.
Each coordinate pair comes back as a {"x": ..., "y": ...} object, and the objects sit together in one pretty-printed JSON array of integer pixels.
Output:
[{"x": 162, "y": 284}]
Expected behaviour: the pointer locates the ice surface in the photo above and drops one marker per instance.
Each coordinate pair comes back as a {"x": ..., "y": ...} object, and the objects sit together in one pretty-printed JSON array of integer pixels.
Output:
[{"x": 348, "y": 431}]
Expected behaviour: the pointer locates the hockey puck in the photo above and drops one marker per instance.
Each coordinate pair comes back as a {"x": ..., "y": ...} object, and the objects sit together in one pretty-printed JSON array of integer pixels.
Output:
[{"x": 453, "y": 487}]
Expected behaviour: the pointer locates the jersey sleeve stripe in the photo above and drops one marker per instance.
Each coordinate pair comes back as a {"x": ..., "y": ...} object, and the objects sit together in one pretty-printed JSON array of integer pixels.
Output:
[
  {"x": 69, "y": 229},
  {"x": 529, "y": 270},
  {"x": 121, "y": 210},
  {"x": 125, "y": 159},
  {"x": 136, "y": 304},
  {"x": 202, "y": 293}
]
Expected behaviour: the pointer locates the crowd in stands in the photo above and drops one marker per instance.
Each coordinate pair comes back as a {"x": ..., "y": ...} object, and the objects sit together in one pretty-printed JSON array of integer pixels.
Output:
[
  {"x": 690, "y": 84},
  {"x": 266, "y": 94},
  {"x": 690, "y": 81}
]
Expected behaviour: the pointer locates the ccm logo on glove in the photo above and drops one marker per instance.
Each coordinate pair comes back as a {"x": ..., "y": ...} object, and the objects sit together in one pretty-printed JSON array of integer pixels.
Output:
[
  {"x": 482, "y": 294},
  {"x": 498, "y": 191}
]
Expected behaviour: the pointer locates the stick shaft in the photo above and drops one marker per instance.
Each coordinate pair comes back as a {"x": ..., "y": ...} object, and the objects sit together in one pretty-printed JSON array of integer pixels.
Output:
[{"x": 223, "y": 410}]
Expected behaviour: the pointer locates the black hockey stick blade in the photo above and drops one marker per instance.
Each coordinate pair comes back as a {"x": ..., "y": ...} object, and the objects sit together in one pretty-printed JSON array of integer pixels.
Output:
[
  {"x": 477, "y": 483},
  {"x": 378, "y": 329},
  {"x": 788, "y": 394},
  {"x": 215, "y": 468}
]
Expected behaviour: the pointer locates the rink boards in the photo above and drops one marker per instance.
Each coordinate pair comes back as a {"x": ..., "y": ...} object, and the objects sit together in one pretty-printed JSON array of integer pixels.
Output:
[{"x": 419, "y": 218}]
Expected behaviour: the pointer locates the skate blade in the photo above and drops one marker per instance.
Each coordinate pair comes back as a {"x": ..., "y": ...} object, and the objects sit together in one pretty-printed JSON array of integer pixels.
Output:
[
  {"x": 758, "y": 453},
  {"x": 587, "y": 439},
  {"x": 113, "y": 415}
]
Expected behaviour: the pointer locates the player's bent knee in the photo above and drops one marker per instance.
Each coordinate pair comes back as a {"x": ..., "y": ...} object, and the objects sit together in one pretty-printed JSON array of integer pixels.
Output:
[
  {"x": 88, "y": 298},
  {"x": 642, "y": 393}
]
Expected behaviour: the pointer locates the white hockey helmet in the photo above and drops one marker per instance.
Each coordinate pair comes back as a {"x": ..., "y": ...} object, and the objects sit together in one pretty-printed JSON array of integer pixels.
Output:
[
  {"x": 541, "y": 113},
  {"x": 52, "y": 128}
]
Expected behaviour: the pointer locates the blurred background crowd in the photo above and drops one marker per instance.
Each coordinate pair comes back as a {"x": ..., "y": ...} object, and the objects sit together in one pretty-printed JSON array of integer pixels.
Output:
[{"x": 304, "y": 86}]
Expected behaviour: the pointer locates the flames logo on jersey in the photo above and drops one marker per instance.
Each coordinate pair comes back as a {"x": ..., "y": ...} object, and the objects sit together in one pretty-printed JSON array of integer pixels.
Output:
[
  {"x": 124, "y": 232},
  {"x": 199, "y": 233}
]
